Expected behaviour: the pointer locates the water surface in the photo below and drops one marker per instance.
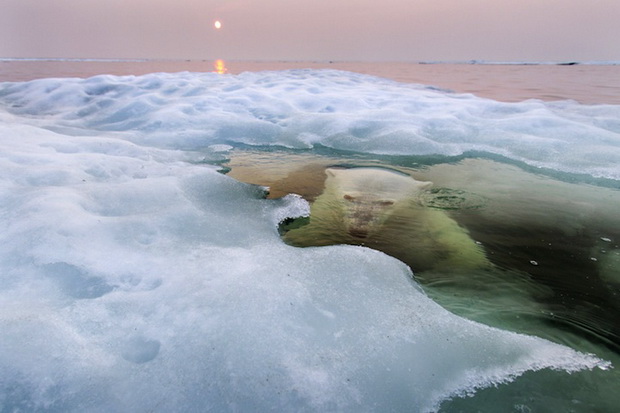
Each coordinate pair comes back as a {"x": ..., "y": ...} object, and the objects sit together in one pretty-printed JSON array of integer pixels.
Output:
[{"x": 553, "y": 245}]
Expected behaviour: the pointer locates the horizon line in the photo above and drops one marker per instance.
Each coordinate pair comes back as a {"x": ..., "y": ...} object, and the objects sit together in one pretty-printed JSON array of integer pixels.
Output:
[{"x": 158, "y": 59}]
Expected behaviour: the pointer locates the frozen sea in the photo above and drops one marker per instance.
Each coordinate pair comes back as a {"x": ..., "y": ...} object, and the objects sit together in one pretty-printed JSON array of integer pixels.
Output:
[{"x": 155, "y": 258}]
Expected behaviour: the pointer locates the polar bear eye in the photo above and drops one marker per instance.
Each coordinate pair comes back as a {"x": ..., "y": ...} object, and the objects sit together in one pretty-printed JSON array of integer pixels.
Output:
[
  {"x": 386, "y": 203},
  {"x": 349, "y": 197}
]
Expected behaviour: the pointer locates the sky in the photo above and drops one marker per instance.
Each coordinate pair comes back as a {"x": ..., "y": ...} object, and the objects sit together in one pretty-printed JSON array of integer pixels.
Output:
[{"x": 339, "y": 30}]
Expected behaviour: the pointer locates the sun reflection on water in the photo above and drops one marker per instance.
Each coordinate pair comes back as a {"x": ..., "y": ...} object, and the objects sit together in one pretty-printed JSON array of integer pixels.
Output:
[{"x": 220, "y": 66}]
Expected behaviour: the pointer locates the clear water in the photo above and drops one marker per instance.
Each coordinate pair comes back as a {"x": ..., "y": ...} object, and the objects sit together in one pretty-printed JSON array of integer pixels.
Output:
[{"x": 554, "y": 246}]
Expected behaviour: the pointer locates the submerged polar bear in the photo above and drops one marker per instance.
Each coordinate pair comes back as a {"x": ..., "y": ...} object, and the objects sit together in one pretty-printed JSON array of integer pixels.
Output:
[{"x": 382, "y": 209}]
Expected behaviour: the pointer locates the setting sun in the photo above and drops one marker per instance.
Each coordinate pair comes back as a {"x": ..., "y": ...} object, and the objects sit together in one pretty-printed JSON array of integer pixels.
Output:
[{"x": 217, "y": 24}]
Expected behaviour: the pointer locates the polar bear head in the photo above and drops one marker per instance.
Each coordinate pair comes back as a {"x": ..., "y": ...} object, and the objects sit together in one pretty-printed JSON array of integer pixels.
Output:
[{"x": 370, "y": 195}]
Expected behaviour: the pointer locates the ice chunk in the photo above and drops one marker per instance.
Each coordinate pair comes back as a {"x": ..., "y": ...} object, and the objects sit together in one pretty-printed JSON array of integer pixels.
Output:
[{"x": 174, "y": 291}]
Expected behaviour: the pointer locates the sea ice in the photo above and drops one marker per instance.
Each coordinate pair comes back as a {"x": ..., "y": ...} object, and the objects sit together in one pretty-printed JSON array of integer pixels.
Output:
[
  {"x": 136, "y": 277},
  {"x": 305, "y": 108}
]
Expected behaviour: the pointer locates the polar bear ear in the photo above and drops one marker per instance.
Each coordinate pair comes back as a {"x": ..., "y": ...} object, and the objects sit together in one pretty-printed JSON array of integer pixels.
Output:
[
  {"x": 330, "y": 172},
  {"x": 425, "y": 185}
]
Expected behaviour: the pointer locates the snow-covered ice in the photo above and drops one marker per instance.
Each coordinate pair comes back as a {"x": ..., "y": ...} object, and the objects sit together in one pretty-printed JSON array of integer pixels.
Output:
[
  {"x": 305, "y": 108},
  {"x": 136, "y": 277}
]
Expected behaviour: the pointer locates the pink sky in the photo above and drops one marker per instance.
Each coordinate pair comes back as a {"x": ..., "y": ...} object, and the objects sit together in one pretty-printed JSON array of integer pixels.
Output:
[{"x": 395, "y": 30}]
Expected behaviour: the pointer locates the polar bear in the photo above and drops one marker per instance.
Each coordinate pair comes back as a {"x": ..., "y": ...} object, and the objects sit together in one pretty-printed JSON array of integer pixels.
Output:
[{"x": 382, "y": 209}]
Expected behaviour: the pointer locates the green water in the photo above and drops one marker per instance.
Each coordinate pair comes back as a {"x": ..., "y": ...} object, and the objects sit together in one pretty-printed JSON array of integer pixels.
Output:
[{"x": 552, "y": 245}]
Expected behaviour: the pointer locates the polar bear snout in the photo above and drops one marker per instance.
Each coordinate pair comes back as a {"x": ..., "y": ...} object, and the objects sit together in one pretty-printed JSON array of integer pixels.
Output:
[{"x": 363, "y": 214}]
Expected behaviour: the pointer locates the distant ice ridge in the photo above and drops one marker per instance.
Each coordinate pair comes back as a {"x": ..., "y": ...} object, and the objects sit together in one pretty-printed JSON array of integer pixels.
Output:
[
  {"x": 526, "y": 62},
  {"x": 341, "y": 110},
  {"x": 135, "y": 277}
]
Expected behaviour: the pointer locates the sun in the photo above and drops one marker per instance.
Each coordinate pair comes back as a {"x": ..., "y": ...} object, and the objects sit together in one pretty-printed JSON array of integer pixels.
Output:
[{"x": 217, "y": 24}]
